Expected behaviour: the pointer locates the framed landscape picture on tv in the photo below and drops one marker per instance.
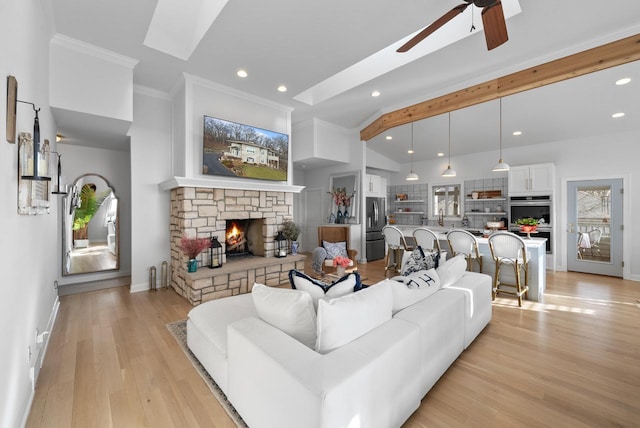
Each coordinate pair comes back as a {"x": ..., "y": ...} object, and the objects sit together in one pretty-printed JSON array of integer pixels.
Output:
[{"x": 236, "y": 150}]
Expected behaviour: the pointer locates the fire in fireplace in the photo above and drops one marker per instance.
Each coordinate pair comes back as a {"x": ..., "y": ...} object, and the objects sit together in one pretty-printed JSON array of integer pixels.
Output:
[{"x": 243, "y": 237}]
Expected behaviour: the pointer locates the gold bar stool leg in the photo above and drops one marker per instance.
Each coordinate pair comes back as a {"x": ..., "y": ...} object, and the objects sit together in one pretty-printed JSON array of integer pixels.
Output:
[{"x": 494, "y": 292}]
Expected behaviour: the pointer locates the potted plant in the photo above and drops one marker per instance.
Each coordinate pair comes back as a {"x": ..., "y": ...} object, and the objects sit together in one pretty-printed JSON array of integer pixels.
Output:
[
  {"x": 291, "y": 231},
  {"x": 88, "y": 205},
  {"x": 527, "y": 224},
  {"x": 192, "y": 247}
]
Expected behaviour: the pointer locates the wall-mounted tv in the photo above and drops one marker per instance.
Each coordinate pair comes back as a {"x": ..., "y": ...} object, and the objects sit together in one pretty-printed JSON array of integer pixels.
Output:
[{"x": 236, "y": 150}]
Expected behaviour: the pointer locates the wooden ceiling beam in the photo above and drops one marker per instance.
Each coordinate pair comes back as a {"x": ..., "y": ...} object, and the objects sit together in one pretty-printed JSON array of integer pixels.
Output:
[{"x": 599, "y": 58}]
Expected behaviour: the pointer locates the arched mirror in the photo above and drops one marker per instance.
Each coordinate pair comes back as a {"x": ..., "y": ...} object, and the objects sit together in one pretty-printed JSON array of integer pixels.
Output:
[{"x": 90, "y": 227}]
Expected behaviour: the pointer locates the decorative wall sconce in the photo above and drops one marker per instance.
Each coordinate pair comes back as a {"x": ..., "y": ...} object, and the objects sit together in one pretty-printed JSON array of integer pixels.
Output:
[
  {"x": 60, "y": 189},
  {"x": 281, "y": 245},
  {"x": 36, "y": 157},
  {"x": 215, "y": 253}
]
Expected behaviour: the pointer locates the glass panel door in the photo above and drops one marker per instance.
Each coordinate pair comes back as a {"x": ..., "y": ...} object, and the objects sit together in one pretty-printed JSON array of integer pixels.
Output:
[{"x": 595, "y": 226}]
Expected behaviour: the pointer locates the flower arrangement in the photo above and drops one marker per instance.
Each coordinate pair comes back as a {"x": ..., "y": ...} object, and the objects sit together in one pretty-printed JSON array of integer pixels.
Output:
[
  {"x": 193, "y": 246},
  {"x": 342, "y": 261},
  {"x": 339, "y": 196}
]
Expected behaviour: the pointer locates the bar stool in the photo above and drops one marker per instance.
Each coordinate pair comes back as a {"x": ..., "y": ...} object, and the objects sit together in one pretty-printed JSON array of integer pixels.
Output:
[
  {"x": 509, "y": 249},
  {"x": 463, "y": 242},
  {"x": 427, "y": 239},
  {"x": 396, "y": 243}
]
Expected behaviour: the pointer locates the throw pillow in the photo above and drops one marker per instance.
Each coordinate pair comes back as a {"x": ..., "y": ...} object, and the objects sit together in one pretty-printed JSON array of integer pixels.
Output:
[
  {"x": 346, "y": 318},
  {"x": 320, "y": 290},
  {"x": 452, "y": 270},
  {"x": 417, "y": 286},
  {"x": 288, "y": 310},
  {"x": 335, "y": 249},
  {"x": 419, "y": 260}
]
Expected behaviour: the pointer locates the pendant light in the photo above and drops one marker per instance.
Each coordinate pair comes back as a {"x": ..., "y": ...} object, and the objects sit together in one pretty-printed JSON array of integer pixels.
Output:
[
  {"x": 412, "y": 175},
  {"x": 501, "y": 165},
  {"x": 449, "y": 172}
]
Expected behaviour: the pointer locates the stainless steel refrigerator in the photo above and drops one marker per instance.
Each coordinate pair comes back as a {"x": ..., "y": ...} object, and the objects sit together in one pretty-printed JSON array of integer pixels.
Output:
[{"x": 375, "y": 221}]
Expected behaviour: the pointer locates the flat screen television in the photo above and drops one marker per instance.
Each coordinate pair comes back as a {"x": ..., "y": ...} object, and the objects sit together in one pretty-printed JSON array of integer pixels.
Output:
[{"x": 236, "y": 150}]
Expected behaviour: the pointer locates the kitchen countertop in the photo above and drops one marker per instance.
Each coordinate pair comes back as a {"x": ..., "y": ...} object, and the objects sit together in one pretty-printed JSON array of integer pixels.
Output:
[{"x": 442, "y": 234}]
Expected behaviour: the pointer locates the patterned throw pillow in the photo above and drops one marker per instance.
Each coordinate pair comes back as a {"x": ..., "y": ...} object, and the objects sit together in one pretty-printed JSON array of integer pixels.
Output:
[
  {"x": 420, "y": 260},
  {"x": 335, "y": 249},
  {"x": 319, "y": 290}
]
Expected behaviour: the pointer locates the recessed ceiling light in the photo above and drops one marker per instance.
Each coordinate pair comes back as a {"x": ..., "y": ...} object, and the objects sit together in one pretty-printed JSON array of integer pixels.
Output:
[
  {"x": 375, "y": 93},
  {"x": 242, "y": 73},
  {"x": 623, "y": 81},
  {"x": 617, "y": 115},
  {"x": 282, "y": 88},
  {"x": 440, "y": 154},
  {"x": 410, "y": 151},
  {"x": 389, "y": 137},
  {"x": 516, "y": 133}
]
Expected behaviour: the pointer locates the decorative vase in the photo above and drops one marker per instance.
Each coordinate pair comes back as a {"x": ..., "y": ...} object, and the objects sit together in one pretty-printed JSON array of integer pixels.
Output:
[
  {"x": 528, "y": 228},
  {"x": 339, "y": 216},
  {"x": 294, "y": 247},
  {"x": 346, "y": 214},
  {"x": 340, "y": 271},
  {"x": 192, "y": 265}
]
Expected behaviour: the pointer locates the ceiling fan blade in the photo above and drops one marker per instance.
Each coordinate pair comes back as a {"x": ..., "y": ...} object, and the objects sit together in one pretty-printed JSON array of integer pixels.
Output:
[
  {"x": 433, "y": 27},
  {"x": 495, "y": 27}
]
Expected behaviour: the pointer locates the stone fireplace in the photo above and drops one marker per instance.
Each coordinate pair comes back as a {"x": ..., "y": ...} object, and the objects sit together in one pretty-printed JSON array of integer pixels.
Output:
[{"x": 205, "y": 212}]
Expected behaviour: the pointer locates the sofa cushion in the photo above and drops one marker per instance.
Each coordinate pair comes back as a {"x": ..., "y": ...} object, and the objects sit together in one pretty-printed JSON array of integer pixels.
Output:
[
  {"x": 452, "y": 270},
  {"x": 346, "y": 318},
  {"x": 418, "y": 260},
  {"x": 408, "y": 290},
  {"x": 289, "y": 310},
  {"x": 335, "y": 249},
  {"x": 320, "y": 290}
]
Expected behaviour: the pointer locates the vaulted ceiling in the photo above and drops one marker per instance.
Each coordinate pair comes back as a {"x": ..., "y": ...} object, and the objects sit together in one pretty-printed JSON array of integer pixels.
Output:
[{"x": 305, "y": 44}]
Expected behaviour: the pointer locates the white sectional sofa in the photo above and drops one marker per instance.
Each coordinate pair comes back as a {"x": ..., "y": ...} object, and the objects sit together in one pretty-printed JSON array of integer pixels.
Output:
[{"x": 376, "y": 380}]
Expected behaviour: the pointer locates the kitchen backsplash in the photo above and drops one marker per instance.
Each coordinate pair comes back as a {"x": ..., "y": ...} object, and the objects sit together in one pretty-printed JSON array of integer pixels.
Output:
[{"x": 407, "y": 204}]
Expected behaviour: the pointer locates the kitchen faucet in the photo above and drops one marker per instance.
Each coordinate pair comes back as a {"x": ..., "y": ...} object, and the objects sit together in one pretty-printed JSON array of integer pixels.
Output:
[{"x": 441, "y": 218}]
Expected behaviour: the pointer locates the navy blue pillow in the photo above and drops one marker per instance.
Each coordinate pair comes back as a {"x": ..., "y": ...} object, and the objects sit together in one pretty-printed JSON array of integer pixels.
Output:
[{"x": 323, "y": 286}]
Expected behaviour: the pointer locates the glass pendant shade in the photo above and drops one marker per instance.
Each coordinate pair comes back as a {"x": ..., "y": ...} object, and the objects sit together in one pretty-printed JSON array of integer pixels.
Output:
[
  {"x": 501, "y": 165},
  {"x": 449, "y": 172},
  {"x": 412, "y": 176}
]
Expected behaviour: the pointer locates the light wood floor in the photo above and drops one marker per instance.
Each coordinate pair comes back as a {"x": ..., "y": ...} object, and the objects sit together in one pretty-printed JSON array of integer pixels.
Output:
[{"x": 573, "y": 360}]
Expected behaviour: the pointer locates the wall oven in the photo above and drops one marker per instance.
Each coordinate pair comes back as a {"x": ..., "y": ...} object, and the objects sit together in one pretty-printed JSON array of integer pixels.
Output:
[{"x": 538, "y": 207}]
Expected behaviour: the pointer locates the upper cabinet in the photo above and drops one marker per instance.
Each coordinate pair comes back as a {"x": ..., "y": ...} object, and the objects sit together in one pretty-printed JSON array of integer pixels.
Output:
[
  {"x": 375, "y": 186},
  {"x": 531, "y": 179}
]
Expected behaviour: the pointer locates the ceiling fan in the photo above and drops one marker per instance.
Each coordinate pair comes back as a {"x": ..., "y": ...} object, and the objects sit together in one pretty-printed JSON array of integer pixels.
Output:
[{"x": 495, "y": 27}]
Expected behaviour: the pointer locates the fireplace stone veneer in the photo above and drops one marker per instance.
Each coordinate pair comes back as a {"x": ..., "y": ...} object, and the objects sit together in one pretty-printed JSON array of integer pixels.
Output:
[{"x": 203, "y": 212}]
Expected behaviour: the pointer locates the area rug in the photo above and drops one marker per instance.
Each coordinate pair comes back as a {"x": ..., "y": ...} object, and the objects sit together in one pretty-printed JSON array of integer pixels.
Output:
[{"x": 179, "y": 331}]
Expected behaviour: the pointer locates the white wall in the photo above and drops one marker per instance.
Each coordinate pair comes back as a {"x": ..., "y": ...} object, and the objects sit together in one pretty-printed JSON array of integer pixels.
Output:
[
  {"x": 114, "y": 166},
  {"x": 90, "y": 80},
  {"x": 605, "y": 156},
  {"x": 29, "y": 243},
  {"x": 150, "y": 165},
  {"x": 317, "y": 183}
]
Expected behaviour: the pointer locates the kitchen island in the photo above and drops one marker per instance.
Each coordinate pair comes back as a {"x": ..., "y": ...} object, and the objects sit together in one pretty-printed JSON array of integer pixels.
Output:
[{"x": 536, "y": 249}]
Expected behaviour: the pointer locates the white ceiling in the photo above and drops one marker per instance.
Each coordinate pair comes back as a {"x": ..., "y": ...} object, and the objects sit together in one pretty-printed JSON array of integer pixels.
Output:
[{"x": 301, "y": 44}]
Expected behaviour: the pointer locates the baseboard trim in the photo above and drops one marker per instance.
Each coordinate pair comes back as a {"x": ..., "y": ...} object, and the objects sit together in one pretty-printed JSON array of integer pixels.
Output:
[
  {"x": 53, "y": 316},
  {"x": 81, "y": 287},
  {"x": 140, "y": 287}
]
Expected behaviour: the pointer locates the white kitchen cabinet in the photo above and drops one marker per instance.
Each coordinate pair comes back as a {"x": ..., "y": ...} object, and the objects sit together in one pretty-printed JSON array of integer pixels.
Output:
[
  {"x": 531, "y": 179},
  {"x": 375, "y": 186}
]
